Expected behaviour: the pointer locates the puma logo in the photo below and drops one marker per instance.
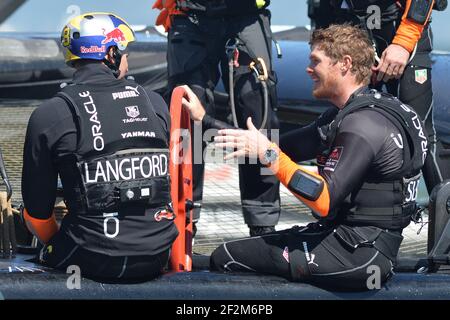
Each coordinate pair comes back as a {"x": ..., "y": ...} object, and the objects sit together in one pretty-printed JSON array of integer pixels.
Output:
[
  {"x": 309, "y": 257},
  {"x": 313, "y": 256},
  {"x": 135, "y": 89},
  {"x": 131, "y": 92}
]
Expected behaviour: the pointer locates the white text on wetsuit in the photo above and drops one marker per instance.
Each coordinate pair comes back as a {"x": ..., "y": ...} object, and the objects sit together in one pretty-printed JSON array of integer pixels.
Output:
[
  {"x": 96, "y": 128},
  {"x": 125, "y": 169},
  {"x": 418, "y": 126}
]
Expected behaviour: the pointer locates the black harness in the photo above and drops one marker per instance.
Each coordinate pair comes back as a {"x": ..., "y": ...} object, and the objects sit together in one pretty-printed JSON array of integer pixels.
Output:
[
  {"x": 220, "y": 7},
  {"x": 390, "y": 202},
  {"x": 122, "y": 152}
]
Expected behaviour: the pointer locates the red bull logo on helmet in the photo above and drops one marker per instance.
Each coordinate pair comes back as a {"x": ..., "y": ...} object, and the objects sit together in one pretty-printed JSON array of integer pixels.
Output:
[
  {"x": 92, "y": 49},
  {"x": 115, "y": 35}
]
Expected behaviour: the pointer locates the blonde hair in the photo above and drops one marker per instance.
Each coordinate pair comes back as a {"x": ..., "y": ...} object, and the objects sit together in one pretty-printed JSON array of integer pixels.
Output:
[{"x": 340, "y": 40}]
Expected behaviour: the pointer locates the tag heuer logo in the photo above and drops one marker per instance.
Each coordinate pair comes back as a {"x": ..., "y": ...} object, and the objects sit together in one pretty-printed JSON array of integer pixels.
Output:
[
  {"x": 132, "y": 111},
  {"x": 421, "y": 76}
]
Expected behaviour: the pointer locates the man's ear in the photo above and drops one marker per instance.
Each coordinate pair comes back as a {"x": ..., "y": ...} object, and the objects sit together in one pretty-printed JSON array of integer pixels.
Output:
[{"x": 346, "y": 63}]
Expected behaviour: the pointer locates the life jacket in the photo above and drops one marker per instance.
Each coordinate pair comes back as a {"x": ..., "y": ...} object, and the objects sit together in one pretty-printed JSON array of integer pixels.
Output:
[
  {"x": 212, "y": 8},
  {"x": 121, "y": 178},
  {"x": 168, "y": 8},
  {"x": 390, "y": 202},
  {"x": 410, "y": 16},
  {"x": 360, "y": 6}
]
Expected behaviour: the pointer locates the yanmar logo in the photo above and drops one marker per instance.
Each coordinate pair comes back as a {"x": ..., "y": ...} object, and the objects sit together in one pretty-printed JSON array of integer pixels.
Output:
[
  {"x": 131, "y": 92},
  {"x": 134, "y": 134}
]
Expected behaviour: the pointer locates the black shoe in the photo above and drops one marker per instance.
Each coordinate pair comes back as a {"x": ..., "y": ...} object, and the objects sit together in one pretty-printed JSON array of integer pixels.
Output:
[
  {"x": 194, "y": 229},
  {"x": 259, "y": 231}
]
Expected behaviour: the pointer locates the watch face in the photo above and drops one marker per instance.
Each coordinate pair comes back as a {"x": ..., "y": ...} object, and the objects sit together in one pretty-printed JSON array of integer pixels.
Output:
[{"x": 270, "y": 155}]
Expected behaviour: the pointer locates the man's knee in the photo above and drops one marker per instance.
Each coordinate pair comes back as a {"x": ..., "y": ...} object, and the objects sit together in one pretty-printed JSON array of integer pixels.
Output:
[
  {"x": 369, "y": 277},
  {"x": 219, "y": 259},
  {"x": 373, "y": 276}
]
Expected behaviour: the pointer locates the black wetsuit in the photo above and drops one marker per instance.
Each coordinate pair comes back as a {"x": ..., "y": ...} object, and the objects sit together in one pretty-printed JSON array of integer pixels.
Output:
[
  {"x": 141, "y": 247},
  {"x": 333, "y": 251},
  {"x": 196, "y": 49},
  {"x": 414, "y": 87}
]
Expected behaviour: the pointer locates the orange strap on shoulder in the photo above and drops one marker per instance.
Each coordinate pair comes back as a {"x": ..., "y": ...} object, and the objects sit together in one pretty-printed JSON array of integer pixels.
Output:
[
  {"x": 44, "y": 230},
  {"x": 409, "y": 32},
  {"x": 285, "y": 168}
]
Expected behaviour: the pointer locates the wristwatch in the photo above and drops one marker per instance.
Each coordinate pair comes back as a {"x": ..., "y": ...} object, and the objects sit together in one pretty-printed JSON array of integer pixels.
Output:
[{"x": 271, "y": 154}]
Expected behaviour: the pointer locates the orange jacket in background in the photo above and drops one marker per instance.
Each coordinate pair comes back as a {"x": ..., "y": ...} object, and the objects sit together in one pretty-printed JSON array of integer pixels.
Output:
[
  {"x": 168, "y": 8},
  {"x": 409, "y": 32}
]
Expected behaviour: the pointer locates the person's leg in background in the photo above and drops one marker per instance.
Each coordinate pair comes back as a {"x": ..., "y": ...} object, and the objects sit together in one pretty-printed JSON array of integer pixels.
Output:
[
  {"x": 259, "y": 192},
  {"x": 415, "y": 89},
  {"x": 193, "y": 60}
]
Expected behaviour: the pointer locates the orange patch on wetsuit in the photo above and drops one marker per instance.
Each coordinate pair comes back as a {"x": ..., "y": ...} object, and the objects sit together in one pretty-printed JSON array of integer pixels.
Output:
[
  {"x": 409, "y": 32},
  {"x": 44, "y": 229},
  {"x": 285, "y": 168}
]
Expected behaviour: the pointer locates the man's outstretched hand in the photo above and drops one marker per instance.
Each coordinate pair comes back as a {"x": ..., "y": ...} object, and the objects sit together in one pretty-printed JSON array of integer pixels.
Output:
[
  {"x": 250, "y": 143},
  {"x": 193, "y": 105}
]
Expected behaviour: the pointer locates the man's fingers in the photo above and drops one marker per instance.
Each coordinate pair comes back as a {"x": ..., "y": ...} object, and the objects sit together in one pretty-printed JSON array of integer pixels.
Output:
[
  {"x": 185, "y": 102},
  {"x": 229, "y": 142},
  {"x": 187, "y": 89},
  {"x": 387, "y": 78},
  {"x": 400, "y": 71},
  {"x": 229, "y": 145},
  {"x": 235, "y": 154},
  {"x": 382, "y": 71},
  {"x": 380, "y": 76},
  {"x": 189, "y": 94},
  {"x": 250, "y": 124},
  {"x": 389, "y": 73},
  {"x": 390, "y": 70},
  {"x": 230, "y": 132},
  {"x": 227, "y": 138},
  {"x": 395, "y": 71},
  {"x": 376, "y": 68},
  {"x": 381, "y": 62}
]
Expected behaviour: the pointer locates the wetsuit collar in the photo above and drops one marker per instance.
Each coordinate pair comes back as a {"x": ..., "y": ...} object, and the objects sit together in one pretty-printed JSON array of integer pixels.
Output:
[
  {"x": 359, "y": 91},
  {"x": 93, "y": 73}
]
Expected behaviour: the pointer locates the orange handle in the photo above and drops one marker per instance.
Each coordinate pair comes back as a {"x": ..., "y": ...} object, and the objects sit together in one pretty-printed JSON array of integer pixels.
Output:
[{"x": 180, "y": 170}]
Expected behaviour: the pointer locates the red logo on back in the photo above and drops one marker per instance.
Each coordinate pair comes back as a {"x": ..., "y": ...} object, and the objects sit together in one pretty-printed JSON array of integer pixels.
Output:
[{"x": 164, "y": 214}]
